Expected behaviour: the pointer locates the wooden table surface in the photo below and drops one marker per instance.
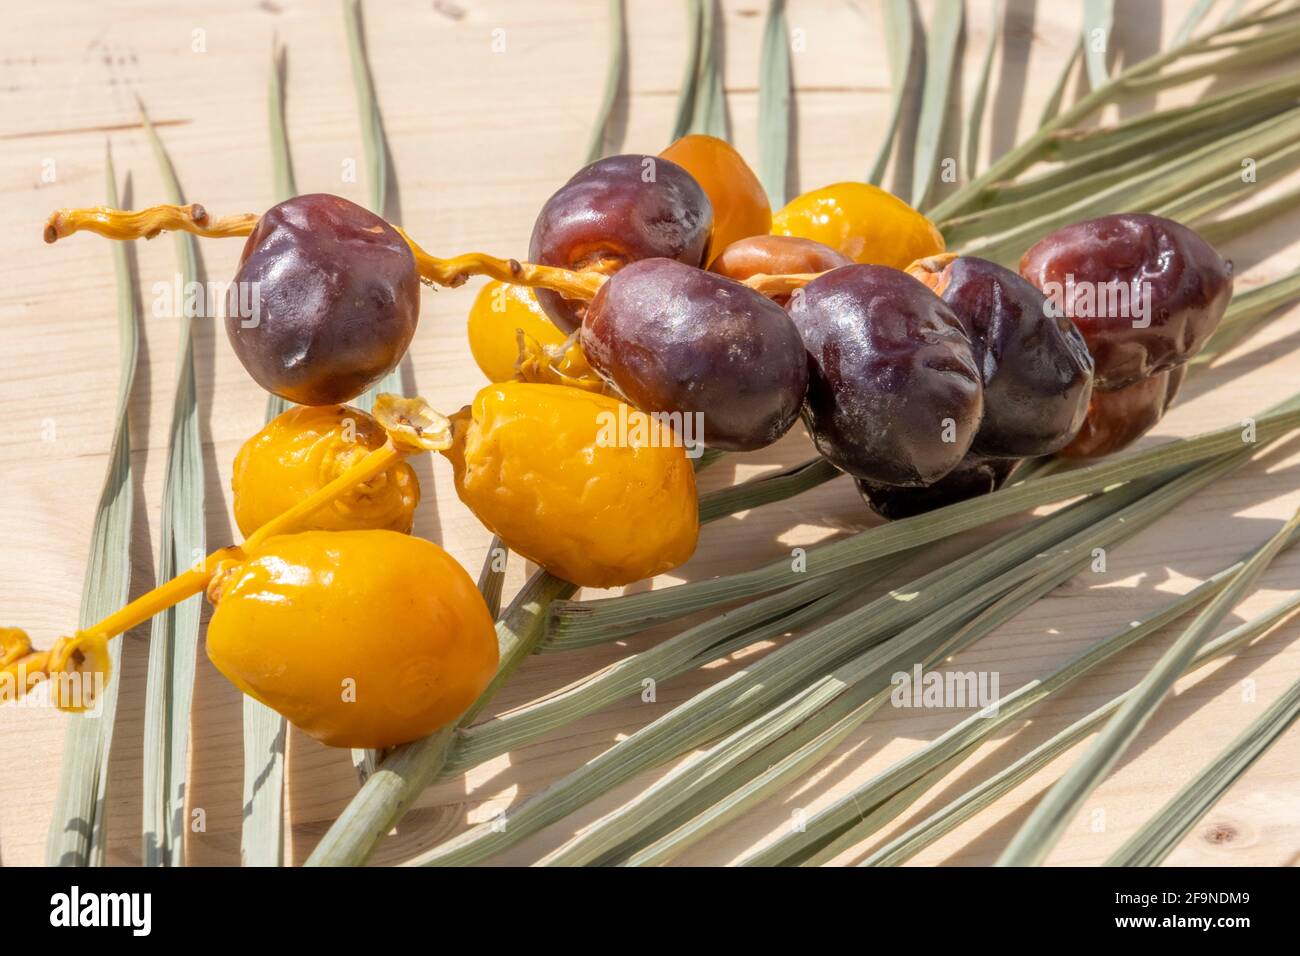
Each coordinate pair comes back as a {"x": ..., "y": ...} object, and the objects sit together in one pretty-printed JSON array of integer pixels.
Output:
[{"x": 479, "y": 138}]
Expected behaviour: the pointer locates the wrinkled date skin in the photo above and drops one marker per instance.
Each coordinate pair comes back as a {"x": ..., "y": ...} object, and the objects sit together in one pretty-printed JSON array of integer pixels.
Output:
[
  {"x": 615, "y": 211},
  {"x": 776, "y": 256},
  {"x": 673, "y": 338},
  {"x": 1091, "y": 269},
  {"x": 337, "y": 300},
  {"x": 973, "y": 476},
  {"x": 538, "y": 465},
  {"x": 305, "y": 448},
  {"x": 1117, "y": 419},
  {"x": 1035, "y": 365},
  {"x": 891, "y": 375}
]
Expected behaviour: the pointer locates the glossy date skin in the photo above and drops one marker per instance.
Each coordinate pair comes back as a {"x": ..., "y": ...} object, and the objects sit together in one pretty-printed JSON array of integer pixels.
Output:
[
  {"x": 973, "y": 476},
  {"x": 1118, "y": 418},
  {"x": 337, "y": 300},
  {"x": 1035, "y": 365},
  {"x": 740, "y": 204},
  {"x": 1189, "y": 286},
  {"x": 673, "y": 338},
  {"x": 615, "y": 211},
  {"x": 776, "y": 256},
  {"x": 892, "y": 375}
]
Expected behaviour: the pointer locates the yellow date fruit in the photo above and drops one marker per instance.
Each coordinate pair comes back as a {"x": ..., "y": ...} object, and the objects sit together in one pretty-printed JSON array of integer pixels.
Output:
[
  {"x": 591, "y": 489},
  {"x": 304, "y": 449},
  {"x": 864, "y": 222},
  {"x": 499, "y": 311},
  {"x": 359, "y": 638}
]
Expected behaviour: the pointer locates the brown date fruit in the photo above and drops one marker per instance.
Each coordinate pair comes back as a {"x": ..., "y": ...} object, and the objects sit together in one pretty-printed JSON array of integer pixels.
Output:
[
  {"x": 973, "y": 476},
  {"x": 1036, "y": 368},
  {"x": 334, "y": 295},
  {"x": 673, "y": 338},
  {"x": 776, "y": 256},
  {"x": 1146, "y": 292},
  {"x": 1118, "y": 418},
  {"x": 619, "y": 210},
  {"x": 894, "y": 392}
]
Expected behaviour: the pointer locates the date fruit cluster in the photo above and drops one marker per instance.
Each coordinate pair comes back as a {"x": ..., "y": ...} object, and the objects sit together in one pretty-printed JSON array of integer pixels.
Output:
[{"x": 925, "y": 375}]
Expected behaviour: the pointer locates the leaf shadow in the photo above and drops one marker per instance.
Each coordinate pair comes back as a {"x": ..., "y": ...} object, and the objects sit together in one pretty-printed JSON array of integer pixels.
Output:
[
  {"x": 615, "y": 132},
  {"x": 1174, "y": 711},
  {"x": 1008, "y": 99},
  {"x": 1135, "y": 36},
  {"x": 909, "y": 118}
]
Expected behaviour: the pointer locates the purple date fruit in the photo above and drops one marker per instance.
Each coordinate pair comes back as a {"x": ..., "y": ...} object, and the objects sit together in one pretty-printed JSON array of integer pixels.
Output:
[
  {"x": 1146, "y": 292},
  {"x": 615, "y": 211},
  {"x": 973, "y": 476},
  {"x": 673, "y": 338},
  {"x": 335, "y": 300},
  {"x": 894, "y": 392},
  {"x": 1035, "y": 365}
]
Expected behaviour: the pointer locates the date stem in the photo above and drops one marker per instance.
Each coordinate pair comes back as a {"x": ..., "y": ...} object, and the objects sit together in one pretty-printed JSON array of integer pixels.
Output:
[{"x": 580, "y": 285}]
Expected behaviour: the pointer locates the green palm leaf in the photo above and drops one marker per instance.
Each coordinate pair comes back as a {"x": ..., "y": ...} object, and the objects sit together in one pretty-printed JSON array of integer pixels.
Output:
[
  {"x": 1048, "y": 821},
  {"x": 1098, "y": 18},
  {"x": 774, "y": 105},
  {"x": 174, "y": 635},
  {"x": 77, "y": 827},
  {"x": 898, "y": 47},
  {"x": 1159, "y": 835}
]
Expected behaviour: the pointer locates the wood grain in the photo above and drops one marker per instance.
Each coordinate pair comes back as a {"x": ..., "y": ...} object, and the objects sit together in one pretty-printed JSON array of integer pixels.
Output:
[{"x": 478, "y": 140}]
